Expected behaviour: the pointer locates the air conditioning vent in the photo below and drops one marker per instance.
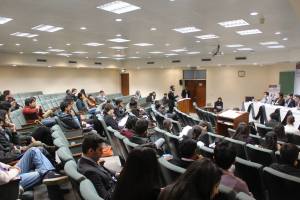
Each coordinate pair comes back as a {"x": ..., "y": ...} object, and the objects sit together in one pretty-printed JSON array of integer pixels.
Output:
[
  {"x": 206, "y": 59},
  {"x": 241, "y": 58},
  {"x": 98, "y": 63},
  {"x": 176, "y": 61},
  {"x": 41, "y": 60},
  {"x": 72, "y": 61},
  {"x": 150, "y": 63}
]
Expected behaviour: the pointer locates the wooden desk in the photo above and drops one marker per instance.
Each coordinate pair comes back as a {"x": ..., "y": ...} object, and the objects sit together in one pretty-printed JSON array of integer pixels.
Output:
[
  {"x": 230, "y": 119},
  {"x": 184, "y": 105}
]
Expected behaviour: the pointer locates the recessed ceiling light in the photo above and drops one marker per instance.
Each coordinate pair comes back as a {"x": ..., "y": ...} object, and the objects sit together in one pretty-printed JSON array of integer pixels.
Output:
[
  {"x": 49, "y": 66},
  {"x": 99, "y": 52},
  {"x": 153, "y": 29},
  {"x": 40, "y": 52},
  {"x": 234, "y": 23},
  {"x": 118, "y": 35},
  {"x": 179, "y": 50},
  {"x": 285, "y": 39},
  {"x": 118, "y": 58},
  {"x": 56, "y": 50},
  {"x": 234, "y": 51},
  {"x": 102, "y": 57},
  {"x": 21, "y": 52},
  {"x": 245, "y": 49},
  {"x": 18, "y": 44},
  {"x": 118, "y": 40},
  {"x": 119, "y": 47},
  {"x": 193, "y": 52},
  {"x": 14, "y": 65},
  {"x": 167, "y": 44},
  {"x": 234, "y": 45},
  {"x": 189, "y": 29},
  {"x": 276, "y": 47},
  {"x": 83, "y": 28},
  {"x": 47, "y": 28},
  {"x": 49, "y": 47},
  {"x": 79, "y": 52},
  {"x": 249, "y": 32},
  {"x": 4, "y": 20},
  {"x": 93, "y": 44},
  {"x": 156, "y": 52},
  {"x": 64, "y": 54},
  {"x": 171, "y": 54},
  {"x": 210, "y": 52},
  {"x": 208, "y": 36},
  {"x": 277, "y": 33},
  {"x": 20, "y": 34},
  {"x": 34, "y": 39},
  {"x": 87, "y": 57},
  {"x": 68, "y": 44},
  {"x": 268, "y": 43},
  {"x": 118, "y": 7},
  {"x": 137, "y": 52},
  {"x": 1, "y": 44},
  {"x": 118, "y": 20},
  {"x": 134, "y": 57},
  {"x": 198, "y": 41},
  {"x": 254, "y": 13},
  {"x": 118, "y": 55},
  {"x": 143, "y": 44}
]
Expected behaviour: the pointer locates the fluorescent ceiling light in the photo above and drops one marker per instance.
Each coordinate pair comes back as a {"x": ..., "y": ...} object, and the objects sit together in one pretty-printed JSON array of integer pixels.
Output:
[
  {"x": 234, "y": 23},
  {"x": 4, "y": 20},
  {"x": 277, "y": 33},
  {"x": 153, "y": 29},
  {"x": 119, "y": 47},
  {"x": 234, "y": 45},
  {"x": 285, "y": 38},
  {"x": 83, "y": 28},
  {"x": 64, "y": 54},
  {"x": 179, "y": 50},
  {"x": 268, "y": 43},
  {"x": 18, "y": 44},
  {"x": 40, "y": 52},
  {"x": 102, "y": 57},
  {"x": 171, "y": 54},
  {"x": 193, "y": 52},
  {"x": 134, "y": 57},
  {"x": 208, "y": 36},
  {"x": 143, "y": 44},
  {"x": 118, "y": 58},
  {"x": 245, "y": 49},
  {"x": 118, "y": 40},
  {"x": 56, "y": 50},
  {"x": 20, "y": 34},
  {"x": 118, "y": 55},
  {"x": 93, "y": 44},
  {"x": 118, "y": 7},
  {"x": 190, "y": 29},
  {"x": 276, "y": 47},
  {"x": 47, "y": 28},
  {"x": 254, "y": 13},
  {"x": 80, "y": 52},
  {"x": 249, "y": 32},
  {"x": 156, "y": 52},
  {"x": 1, "y": 44}
]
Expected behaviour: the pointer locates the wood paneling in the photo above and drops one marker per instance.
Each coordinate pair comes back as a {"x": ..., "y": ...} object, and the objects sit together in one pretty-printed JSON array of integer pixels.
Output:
[{"x": 125, "y": 84}]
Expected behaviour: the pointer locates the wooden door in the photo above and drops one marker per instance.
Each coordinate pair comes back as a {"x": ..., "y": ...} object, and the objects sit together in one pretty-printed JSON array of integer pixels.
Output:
[
  {"x": 125, "y": 84},
  {"x": 198, "y": 91}
]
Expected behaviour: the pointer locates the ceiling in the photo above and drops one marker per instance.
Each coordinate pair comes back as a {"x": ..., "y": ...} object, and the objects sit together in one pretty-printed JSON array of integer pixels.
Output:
[{"x": 164, "y": 15}]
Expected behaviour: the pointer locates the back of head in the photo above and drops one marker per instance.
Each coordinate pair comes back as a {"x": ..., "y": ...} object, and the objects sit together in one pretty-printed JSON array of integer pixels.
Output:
[
  {"x": 289, "y": 153},
  {"x": 198, "y": 181},
  {"x": 107, "y": 108},
  {"x": 290, "y": 120},
  {"x": 141, "y": 127},
  {"x": 224, "y": 154},
  {"x": 242, "y": 131},
  {"x": 130, "y": 123},
  {"x": 274, "y": 116},
  {"x": 4, "y": 105},
  {"x": 279, "y": 131},
  {"x": 63, "y": 106},
  {"x": 195, "y": 132},
  {"x": 6, "y": 93},
  {"x": 79, "y": 95},
  {"x": 270, "y": 141},
  {"x": 280, "y": 94},
  {"x": 118, "y": 102},
  {"x": 167, "y": 124},
  {"x": 91, "y": 141},
  {"x": 187, "y": 148},
  {"x": 82, "y": 91},
  {"x": 29, "y": 100}
]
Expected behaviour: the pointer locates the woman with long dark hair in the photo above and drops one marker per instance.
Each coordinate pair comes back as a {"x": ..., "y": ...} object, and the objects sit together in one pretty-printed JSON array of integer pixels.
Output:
[
  {"x": 139, "y": 179},
  {"x": 243, "y": 133}
]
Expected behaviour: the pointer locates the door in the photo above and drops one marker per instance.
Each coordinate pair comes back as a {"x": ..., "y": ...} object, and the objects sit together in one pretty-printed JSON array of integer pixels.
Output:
[
  {"x": 198, "y": 91},
  {"x": 125, "y": 84}
]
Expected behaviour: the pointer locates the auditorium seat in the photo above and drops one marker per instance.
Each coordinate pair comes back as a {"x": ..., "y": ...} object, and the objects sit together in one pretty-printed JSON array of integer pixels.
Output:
[
  {"x": 239, "y": 147},
  {"x": 129, "y": 145},
  {"x": 88, "y": 191},
  {"x": 170, "y": 172},
  {"x": 225, "y": 193},
  {"x": 176, "y": 128},
  {"x": 64, "y": 154},
  {"x": 214, "y": 137},
  {"x": 75, "y": 177},
  {"x": 293, "y": 138},
  {"x": 205, "y": 151},
  {"x": 260, "y": 155},
  {"x": 120, "y": 147},
  {"x": 262, "y": 129}
]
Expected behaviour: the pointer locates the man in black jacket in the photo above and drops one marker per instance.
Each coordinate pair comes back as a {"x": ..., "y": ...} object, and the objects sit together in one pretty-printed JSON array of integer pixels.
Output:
[
  {"x": 185, "y": 93},
  {"x": 290, "y": 102},
  {"x": 172, "y": 98},
  {"x": 68, "y": 117},
  {"x": 89, "y": 165}
]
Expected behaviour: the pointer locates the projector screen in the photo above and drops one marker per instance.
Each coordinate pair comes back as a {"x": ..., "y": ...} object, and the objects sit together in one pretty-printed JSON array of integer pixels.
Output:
[{"x": 297, "y": 79}]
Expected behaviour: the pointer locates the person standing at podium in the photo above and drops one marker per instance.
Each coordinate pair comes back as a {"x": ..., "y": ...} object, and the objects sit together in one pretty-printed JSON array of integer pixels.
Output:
[
  {"x": 185, "y": 93},
  {"x": 172, "y": 98}
]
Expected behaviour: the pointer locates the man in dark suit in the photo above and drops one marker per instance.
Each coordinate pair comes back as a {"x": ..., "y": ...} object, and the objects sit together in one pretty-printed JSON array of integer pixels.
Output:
[
  {"x": 289, "y": 160},
  {"x": 172, "y": 98},
  {"x": 290, "y": 102},
  {"x": 90, "y": 166},
  {"x": 185, "y": 93},
  {"x": 280, "y": 100}
]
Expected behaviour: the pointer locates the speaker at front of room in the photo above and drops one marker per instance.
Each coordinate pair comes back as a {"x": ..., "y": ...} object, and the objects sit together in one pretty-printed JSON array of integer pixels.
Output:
[{"x": 180, "y": 82}]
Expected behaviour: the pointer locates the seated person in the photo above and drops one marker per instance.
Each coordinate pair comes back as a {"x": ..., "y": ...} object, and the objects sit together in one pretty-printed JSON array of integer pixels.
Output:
[
  {"x": 137, "y": 95},
  {"x": 224, "y": 157},
  {"x": 266, "y": 99},
  {"x": 167, "y": 125},
  {"x": 185, "y": 93},
  {"x": 270, "y": 142},
  {"x": 218, "y": 106},
  {"x": 7, "y": 97},
  {"x": 280, "y": 100},
  {"x": 74, "y": 94},
  {"x": 68, "y": 117},
  {"x": 289, "y": 160},
  {"x": 101, "y": 98},
  {"x": 91, "y": 166},
  {"x": 140, "y": 132},
  {"x": 109, "y": 116},
  {"x": 33, "y": 112},
  {"x": 187, "y": 153},
  {"x": 274, "y": 121},
  {"x": 33, "y": 168},
  {"x": 120, "y": 111},
  {"x": 165, "y": 100},
  {"x": 151, "y": 97},
  {"x": 198, "y": 134},
  {"x": 82, "y": 107},
  {"x": 243, "y": 133},
  {"x": 128, "y": 131},
  {"x": 280, "y": 133},
  {"x": 162, "y": 109},
  {"x": 297, "y": 101},
  {"x": 289, "y": 127},
  {"x": 290, "y": 102}
]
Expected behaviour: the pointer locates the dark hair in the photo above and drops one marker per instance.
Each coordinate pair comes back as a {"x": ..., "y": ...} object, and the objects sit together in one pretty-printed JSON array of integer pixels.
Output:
[
  {"x": 29, "y": 100},
  {"x": 167, "y": 124},
  {"x": 4, "y": 105},
  {"x": 289, "y": 153},
  {"x": 3, "y": 115},
  {"x": 133, "y": 103},
  {"x": 139, "y": 177},
  {"x": 118, "y": 102},
  {"x": 242, "y": 132},
  {"x": 187, "y": 148},
  {"x": 82, "y": 91},
  {"x": 107, "y": 108},
  {"x": 6, "y": 92},
  {"x": 130, "y": 123},
  {"x": 68, "y": 91},
  {"x": 91, "y": 141},
  {"x": 291, "y": 94},
  {"x": 73, "y": 89},
  {"x": 220, "y": 98},
  {"x": 274, "y": 116},
  {"x": 224, "y": 154},
  {"x": 197, "y": 182},
  {"x": 281, "y": 94},
  {"x": 195, "y": 132},
  {"x": 203, "y": 124},
  {"x": 63, "y": 106},
  {"x": 267, "y": 93},
  {"x": 280, "y": 132},
  {"x": 290, "y": 119},
  {"x": 136, "y": 112},
  {"x": 79, "y": 95},
  {"x": 101, "y": 91},
  {"x": 141, "y": 126},
  {"x": 270, "y": 141}
]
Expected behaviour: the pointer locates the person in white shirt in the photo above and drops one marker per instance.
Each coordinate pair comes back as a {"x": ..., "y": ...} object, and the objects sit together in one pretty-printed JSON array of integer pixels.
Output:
[
  {"x": 266, "y": 99},
  {"x": 289, "y": 127}
]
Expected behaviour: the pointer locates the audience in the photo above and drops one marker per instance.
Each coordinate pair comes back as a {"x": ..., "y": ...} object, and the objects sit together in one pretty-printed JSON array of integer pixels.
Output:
[
  {"x": 140, "y": 132},
  {"x": 90, "y": 166},
  {"x": 218, "y": 106},
  {"x": 224, "y": 156},
  {"x": 167, "y": 125},
  {"x": 137, "y": 95},
  {"x": 139, "y": 179},
  {"x": 165, "y": 100},
  {"x": 109, "y": 116},
  {"x": 243, "y": 133},
  {"x": 274, "y": 121},
  {"x": 290, "y": 102},
  {"x": 288, "y": 160},
  {"x": 200, "y": 181},
  {"x": 74, "y": 94},
  {"x": 82, "y": 106},
  {"x": 289, "y": 127},
  {"x": 68, "y": 117},
  {"x": 150, "y": 98}
]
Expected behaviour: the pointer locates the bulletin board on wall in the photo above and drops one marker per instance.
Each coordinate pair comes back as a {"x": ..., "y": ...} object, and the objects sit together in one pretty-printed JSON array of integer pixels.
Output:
[{"x": 286, "y": 81}]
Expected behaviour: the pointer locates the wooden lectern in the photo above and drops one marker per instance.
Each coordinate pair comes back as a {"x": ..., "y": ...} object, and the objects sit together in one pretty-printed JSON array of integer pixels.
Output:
[
  {"x": 230, "y": 119},
  {"x": 184, "y": 105}
]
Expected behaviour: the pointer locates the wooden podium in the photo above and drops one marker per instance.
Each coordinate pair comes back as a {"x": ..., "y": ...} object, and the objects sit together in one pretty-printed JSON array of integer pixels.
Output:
[
  {"x": 184, "y": 105},
  {"x": 230, "y": 119}
]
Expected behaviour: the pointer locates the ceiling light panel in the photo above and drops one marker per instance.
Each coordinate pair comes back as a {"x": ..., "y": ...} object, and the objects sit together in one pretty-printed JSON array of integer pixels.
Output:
[
  {"x": 269, "y": 43},
  {"x": 118, "y": 55},
  {"x": 47, "y": 28},
  {"x": 234, "y": 45},
  {"x": 156, "y": 52},
  {"x": 207, "y": 37},
  {"x": 249, "y": 32},
  {"x": 190, "y": 29},
  {"x": 80, "y": 52},
  {"x": 193, "y": 52},
  {"x": 4, "y": 20},
  {"x": 234, "y": 23},
  {"x": 118, "y": 7},
  {"x": 64, "y": 54},
  {"x": 40, "y": 52},
  {"x": 245, "y": 49},
  {"x": 179, "y": 50},
  {"x": 93, "y": 44},
  {"x": 171, "y": 54},
  {"x": 118, "y": 40},
  {"x": 143, "y": 44},
  {"x": 119, "y": 47},
  {"x": 134, "y": 57},
  {"x": 102, "y": 57},
  {"x": 56, "y": 50},
  {"x": 20, "y": 34},
  {"x": 276, "y": 47}
]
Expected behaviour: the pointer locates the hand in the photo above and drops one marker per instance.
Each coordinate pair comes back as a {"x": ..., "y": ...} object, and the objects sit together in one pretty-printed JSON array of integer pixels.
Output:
[{"x": 17, "y": 168}]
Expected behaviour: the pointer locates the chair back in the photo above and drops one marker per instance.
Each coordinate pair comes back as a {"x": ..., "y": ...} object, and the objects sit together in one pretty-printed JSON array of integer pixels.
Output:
[
  {"x": 10, "y": 190},
  {"x": 239, "y": 147},
  {"x": 88, "y": 191},
  {"x": 225, "y": 193},
  {"x": 169, "y": 171},
  {"x": 129, "y": 145},
  {"x": 260, "y": 155}
]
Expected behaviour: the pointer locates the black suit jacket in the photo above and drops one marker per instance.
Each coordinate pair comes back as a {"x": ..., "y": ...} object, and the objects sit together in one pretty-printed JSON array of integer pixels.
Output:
[
  {"x": 184, "y": 93},
  {"x": 291, "y": 103},
  {"x": 102, "y": 178},
  {"x": 7, "y": 150},
  {"x": 279, "y": 102},
  {"x": 110, "y": 121},
  {"x": 69, "y": 121}
]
